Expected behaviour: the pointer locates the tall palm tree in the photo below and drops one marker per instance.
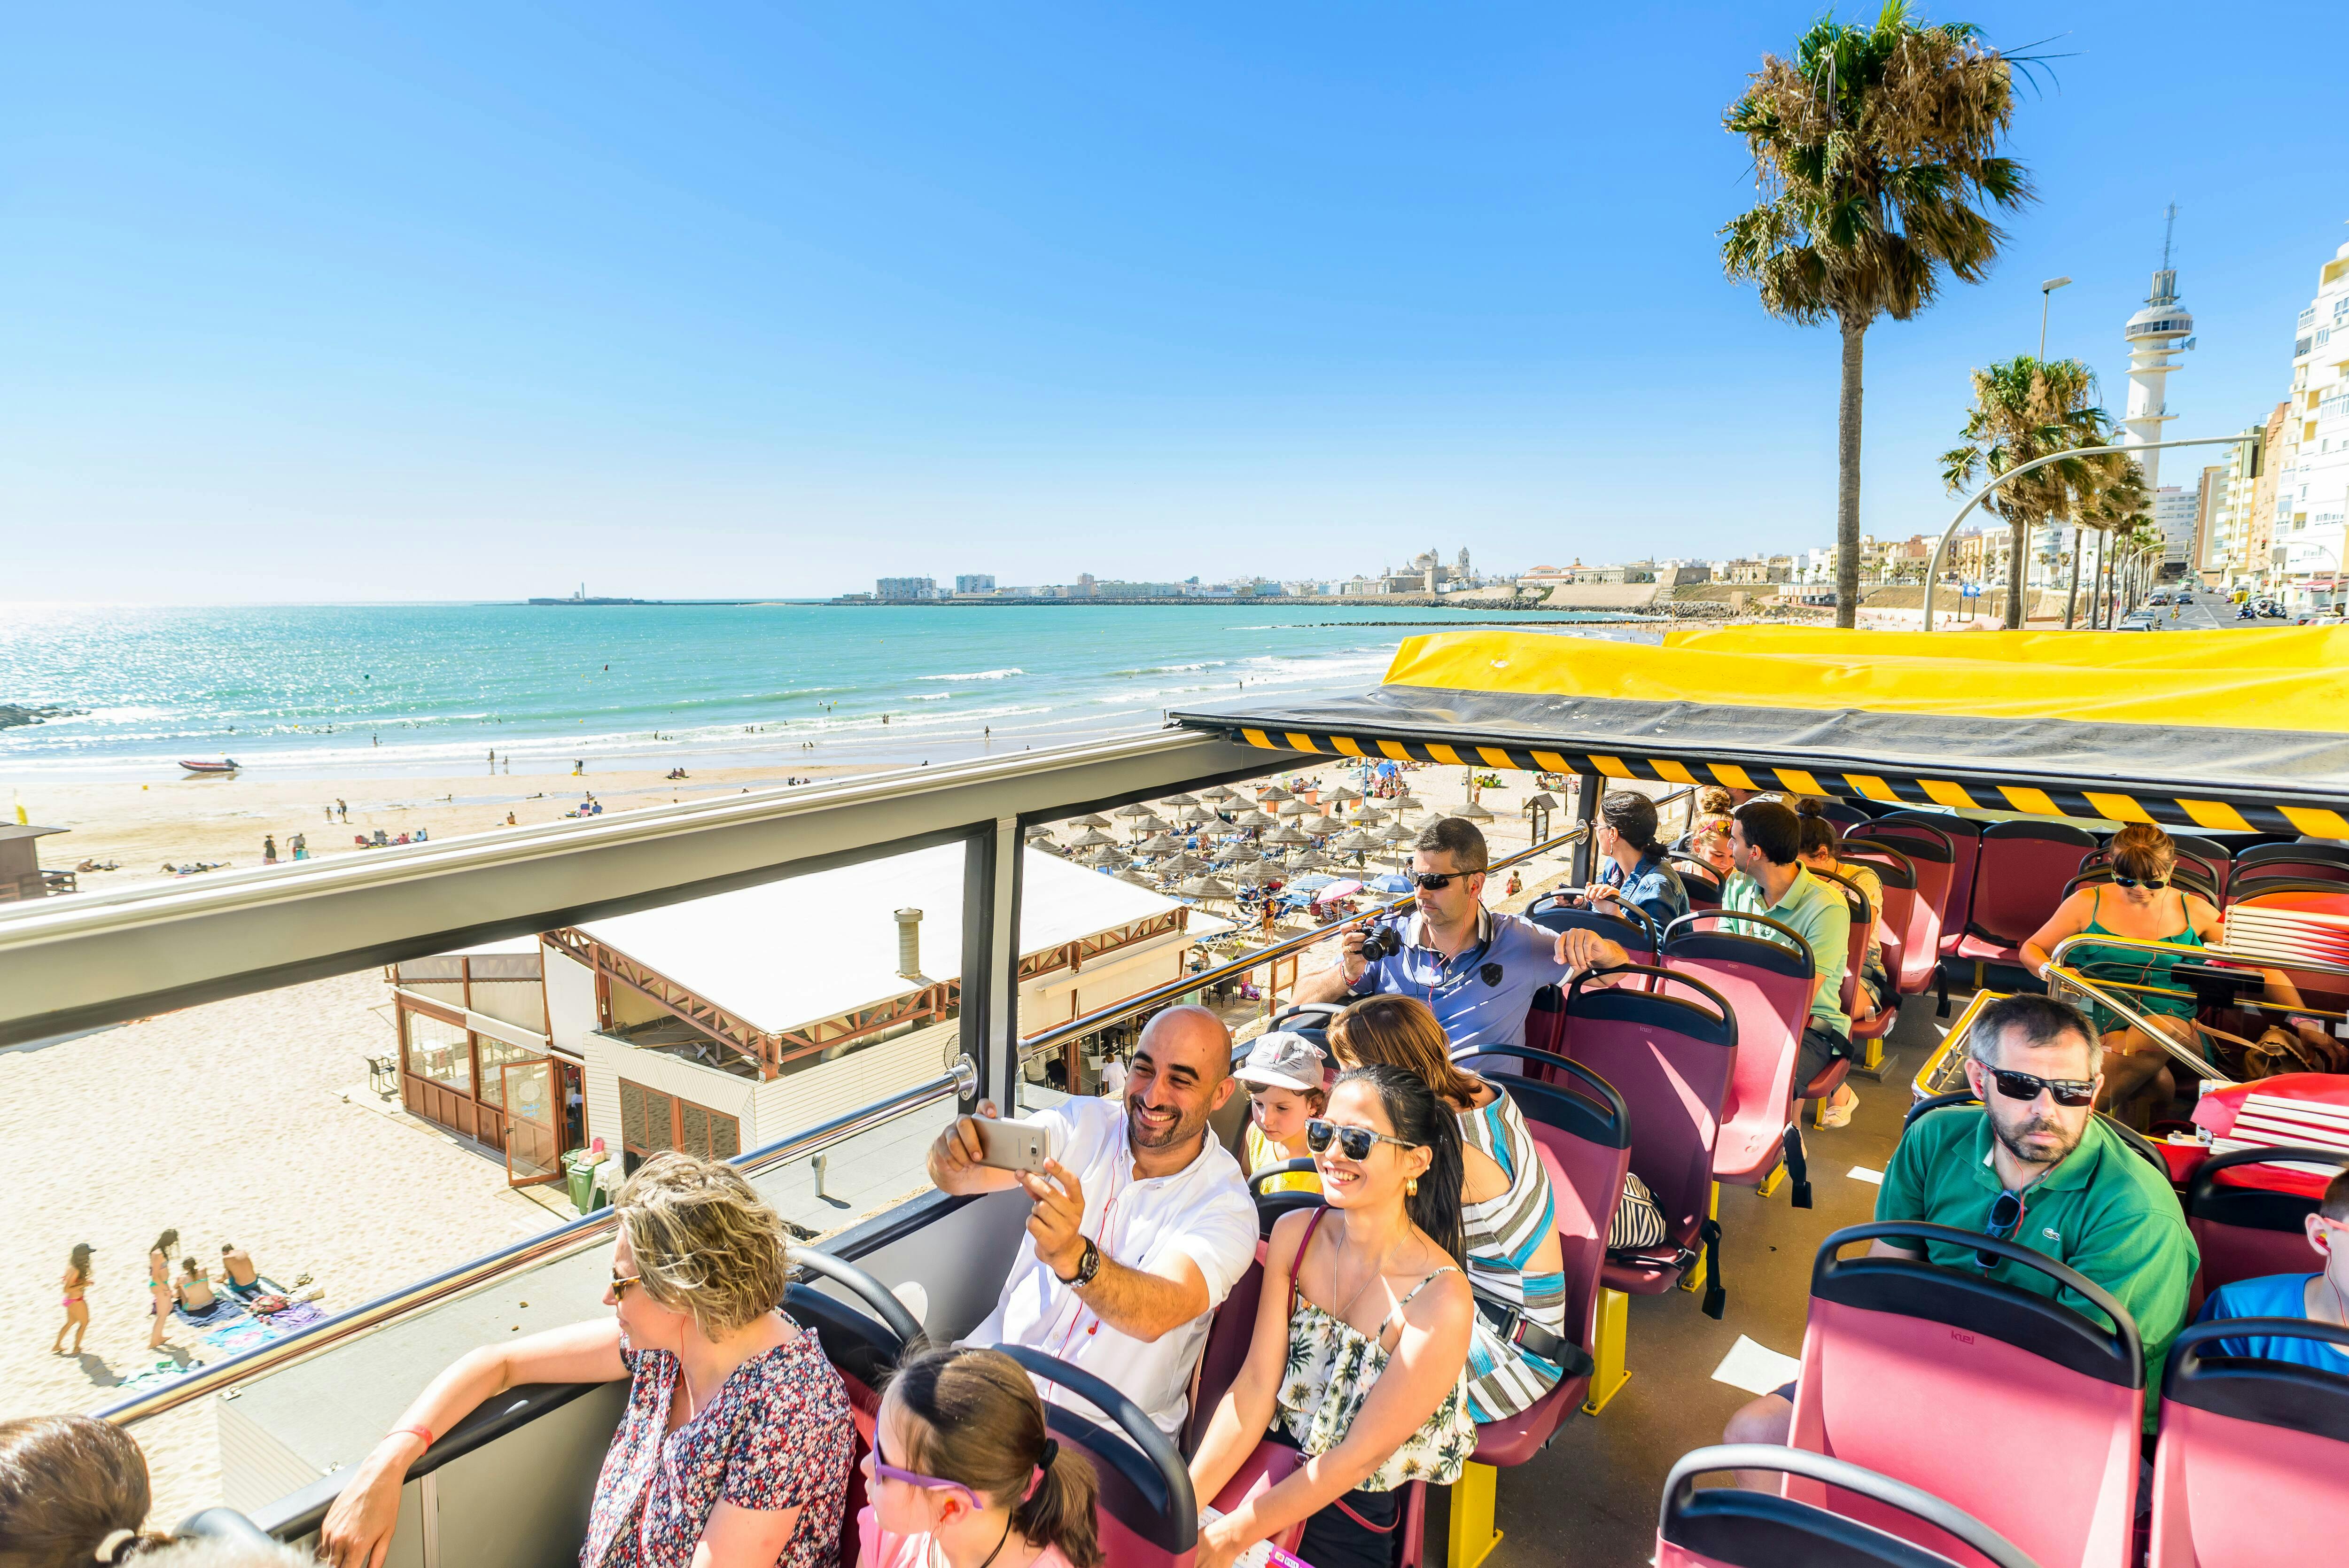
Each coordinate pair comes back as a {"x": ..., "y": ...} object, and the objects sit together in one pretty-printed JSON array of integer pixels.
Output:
[
  {"x": 2121, "y": 511},
  {"x": 2025, "y": 409},
  {"x": 1875, "y": 151}
]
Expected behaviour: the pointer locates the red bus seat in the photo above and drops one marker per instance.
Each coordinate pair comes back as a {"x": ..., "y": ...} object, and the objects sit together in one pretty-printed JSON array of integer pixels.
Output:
[
  {"x": 1632, "y": 928},
  {"x": 2290, "y": 851},
  {"x": 1863, "y": 920},
  {"x": 2252, "y": 1467},
  {"x": 2052, "y": 1402},
  {"x": 1699, "y": 881},
  {"x": 1912, "y": 931},
  {"x": 1147, "y": 1514},
  {"x": 2019, "y": 879},
  {"x": 1729, "y": 1527},
  {"x": 2243, "y": 1231},
  {"x": 1585, "y": 1134},
  {"x": 1943, "y": 877},
  {"x": 1766, "y": 980},
  {"x": 1226, "y": 1347},
  {"x": 863, "y": 1349},
  {"x": 1670, "y": 1057}
]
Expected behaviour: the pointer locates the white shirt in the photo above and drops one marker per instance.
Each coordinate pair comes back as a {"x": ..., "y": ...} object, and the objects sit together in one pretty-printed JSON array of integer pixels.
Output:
[
  {"x": 1113, "y": 1079},
  {"x": 1203, "y": 1211}
]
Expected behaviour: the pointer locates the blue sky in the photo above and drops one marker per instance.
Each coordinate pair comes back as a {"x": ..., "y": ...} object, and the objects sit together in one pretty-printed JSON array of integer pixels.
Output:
[{"x": 329, "y": 301}]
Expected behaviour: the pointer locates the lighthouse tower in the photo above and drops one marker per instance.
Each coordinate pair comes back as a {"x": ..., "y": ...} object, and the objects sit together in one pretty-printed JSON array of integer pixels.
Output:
[{"x": 2154, "y": 334}]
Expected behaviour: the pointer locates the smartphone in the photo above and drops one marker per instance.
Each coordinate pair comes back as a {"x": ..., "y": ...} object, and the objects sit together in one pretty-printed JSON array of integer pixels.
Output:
[{"x": 1013, "y": 1145}]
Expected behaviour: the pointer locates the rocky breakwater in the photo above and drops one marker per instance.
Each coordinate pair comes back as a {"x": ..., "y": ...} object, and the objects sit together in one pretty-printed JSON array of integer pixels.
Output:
[{"x": 13, "y": 714}]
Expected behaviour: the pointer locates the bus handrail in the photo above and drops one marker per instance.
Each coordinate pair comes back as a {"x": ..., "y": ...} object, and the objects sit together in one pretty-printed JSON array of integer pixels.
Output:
[
  {"x": 563, "y": 1240},
  {"x": 2059, "y": 974}
]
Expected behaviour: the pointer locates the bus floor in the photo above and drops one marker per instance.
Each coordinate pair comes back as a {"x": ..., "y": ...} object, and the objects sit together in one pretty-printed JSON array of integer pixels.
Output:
[{"x": 1590, "y": 1498}]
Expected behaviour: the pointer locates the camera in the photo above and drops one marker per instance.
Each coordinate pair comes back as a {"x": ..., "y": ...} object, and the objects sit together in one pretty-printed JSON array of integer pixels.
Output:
[{"x": 1381, "y": 942}]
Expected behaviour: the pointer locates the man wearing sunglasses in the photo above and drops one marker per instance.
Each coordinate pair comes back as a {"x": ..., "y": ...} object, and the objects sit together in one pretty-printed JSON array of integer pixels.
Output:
[
  {"x": 2034, "y": 1165},
  {"x": 1476, "y": 969}
]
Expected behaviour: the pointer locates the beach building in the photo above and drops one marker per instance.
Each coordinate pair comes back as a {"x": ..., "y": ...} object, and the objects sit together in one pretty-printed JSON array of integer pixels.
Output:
[
  {"x": 897, "y": 588},
  {"x": 21, "y": 875},
  {"x": 974, "y": 583},
  {"x": 724, "y": 1022}
]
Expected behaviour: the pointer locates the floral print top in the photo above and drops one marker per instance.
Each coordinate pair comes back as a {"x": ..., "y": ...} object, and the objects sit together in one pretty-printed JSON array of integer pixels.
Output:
[{"x": 777, "y": 1435}]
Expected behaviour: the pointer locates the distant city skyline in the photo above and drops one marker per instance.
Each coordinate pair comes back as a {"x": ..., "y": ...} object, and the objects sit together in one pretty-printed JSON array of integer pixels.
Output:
[{"x": 429, "y": 301}]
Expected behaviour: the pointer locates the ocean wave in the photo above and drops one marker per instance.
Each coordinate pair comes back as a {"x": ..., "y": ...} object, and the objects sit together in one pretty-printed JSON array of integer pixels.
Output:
[
  {"x": 975, "y": 675},
  {"x": 1173, "y": 669}
]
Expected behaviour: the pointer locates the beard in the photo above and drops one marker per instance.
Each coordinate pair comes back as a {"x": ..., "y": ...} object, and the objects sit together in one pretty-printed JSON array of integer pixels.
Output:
[
  {"x": 2055, "y": 1141},
  {"x": 1172, "y": 1134}
]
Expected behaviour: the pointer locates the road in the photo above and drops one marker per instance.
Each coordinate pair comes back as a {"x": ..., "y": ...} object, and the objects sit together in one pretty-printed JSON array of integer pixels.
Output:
[{"x": 2208, "y": 613}]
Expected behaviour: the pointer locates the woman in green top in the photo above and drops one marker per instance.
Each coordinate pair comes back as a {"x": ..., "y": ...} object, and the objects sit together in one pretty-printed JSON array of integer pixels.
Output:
[{"x": 2140, "y": 904}]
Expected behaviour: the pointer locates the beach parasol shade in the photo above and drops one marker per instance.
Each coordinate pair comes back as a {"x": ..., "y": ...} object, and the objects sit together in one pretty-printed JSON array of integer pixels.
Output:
[
  {"x": 1346, "y": 888},
  {"x": 1284, "y": 836},
  {"x": 1356, "y": 842},
  {"x": 1217, "y": 792},
  {"x": 1313, "y": 883},
  {"x": 1089, "y": 820},
  {"x": 1159, "y": 844},
  {"x": 1322, "y": 825},
  {"x": 1406, "y": 801},
  {"x": 1396, "y": 833},
  {"x": 1175, "y": 800},
  {"x": 1342, "y": 794},
  {"x": 1206, "y": 887},
  {"x": 1092, "y": 838},
  {"x": 1130, "y": 811},
  {"x": 1037, "y": 832},
  {"x": 1195, "y": 814},
  {"x": 1307, "y": 859},
  {"x": 1370, "y": 816},
  {"x": 1273, "y": 793},
  {"x": 1252, "y": 876},
  {"x": 1292, "y": 807},
  {"x": 1253, "y": 820},
  {"x": 1182, "y": 866},
  {"x": 1475, "y": 812},
  {"x": 1149, "y": 822},
  {"x": 1139, "y": 879},
  {"x": 1109, "y": 855},
  {"x": 1391, "y": 882},
  {"x": 1239, "y": 854}
]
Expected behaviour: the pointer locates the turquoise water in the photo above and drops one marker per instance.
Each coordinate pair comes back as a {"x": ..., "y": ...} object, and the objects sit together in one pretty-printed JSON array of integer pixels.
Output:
[{"x": 327, "y": 690}]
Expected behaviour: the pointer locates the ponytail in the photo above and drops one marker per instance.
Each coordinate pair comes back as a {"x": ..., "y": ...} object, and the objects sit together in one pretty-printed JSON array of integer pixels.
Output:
[
  {"x": 1420, "y": 1118},
  {"x": 976, "y": 1420}
]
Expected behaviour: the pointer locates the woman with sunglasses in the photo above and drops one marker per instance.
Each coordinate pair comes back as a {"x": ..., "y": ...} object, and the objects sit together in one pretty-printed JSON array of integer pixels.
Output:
[
  {"x": 1361, "y": 1337},
  {"x": 963, "y": 1473},
  {"x": 733, "y": 1450}
]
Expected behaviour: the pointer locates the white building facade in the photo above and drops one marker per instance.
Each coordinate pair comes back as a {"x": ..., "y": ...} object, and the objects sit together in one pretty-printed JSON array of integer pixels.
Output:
[
  {"x": 2312, "y": 488},
  {"x": 2174, "y": 512}
]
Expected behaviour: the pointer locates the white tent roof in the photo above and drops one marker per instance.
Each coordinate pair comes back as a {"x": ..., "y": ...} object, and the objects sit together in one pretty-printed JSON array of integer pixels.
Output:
[{"x": 796, "y": 952}]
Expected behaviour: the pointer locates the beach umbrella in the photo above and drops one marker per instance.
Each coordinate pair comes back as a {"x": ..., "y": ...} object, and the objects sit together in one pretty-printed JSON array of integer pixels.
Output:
[
  {"x": 1038, "y": 832},
  {"x": 1130, "y": 811},
  {"x": 1089, "y": 820},
  {"x": 1318, "y": 826},
  {"x": 1217, "y": 792},
  {"x": 1159, "y": 844},
  {"x": 1194, "y": 814},
  {"x": 1396, "y": 833},
  {"x": 1284, "y": 836},
  {"x": 1149, "y": 822},
  {"x": 1314, "y": 884},
  {"x": 1475, "y": 812},
  {"x": 1390, "y": 882},
  {"x": 1273, "y": 793},
  {"x": 1182, "y": 866},
  {"x": 1357, "y": 843},
  {"x": 1138, "y": 878},
  {"x": 1345, "y": 889},
  {"x": 1206, "y": 887},
  {"x": 1251, "y": 876},
  {"x": 1368, "y": 817},
  {"x": 1109, "y": 855},
  {"x": 1293, "y": 807},
  {"x": 1307, "y": 859},
  {"x": 1341, "y": 795},
  {"x": 1180, "y": 800},
  {"x": 1090, "y": 839},
  {"x": 1406, "y": 801},
  {"x": 1253, "y": 820}
]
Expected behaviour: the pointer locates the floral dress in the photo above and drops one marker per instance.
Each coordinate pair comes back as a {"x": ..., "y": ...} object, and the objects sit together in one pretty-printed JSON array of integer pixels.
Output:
[{"x": 777, "y": 1435}]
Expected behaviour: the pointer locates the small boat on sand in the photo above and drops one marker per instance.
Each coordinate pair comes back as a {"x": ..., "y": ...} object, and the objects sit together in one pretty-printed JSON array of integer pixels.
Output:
[{"x": 225, "y": 765}]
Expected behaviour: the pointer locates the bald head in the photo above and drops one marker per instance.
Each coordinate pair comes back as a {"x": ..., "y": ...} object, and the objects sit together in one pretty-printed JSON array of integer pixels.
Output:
[{"x": 1186, "y": 1032}]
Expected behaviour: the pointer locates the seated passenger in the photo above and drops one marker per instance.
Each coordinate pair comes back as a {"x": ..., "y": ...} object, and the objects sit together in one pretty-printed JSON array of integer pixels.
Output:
[
  {"x": 1766, "y": 842},
  {"x": 1361, "y": 1337},
  {"x": 734, "y": 1448},
  {"x": 1509, "y": 1218},
  {"x": 73, "y": 1489},
  {"x": 1709, "y": 832},
  {"x": 1142, "y": 1225},
  {"x": 2033, "y": 1165},
  {"x": 961, "y": 1459},
  {"x": 2322, "y": 1296},
  {"x": 1286, "y": 1077},
  {"x": 1821, "y": 840},
  {"x": 1633, "y": 870},
  {"x": 1477, "y": 968}
]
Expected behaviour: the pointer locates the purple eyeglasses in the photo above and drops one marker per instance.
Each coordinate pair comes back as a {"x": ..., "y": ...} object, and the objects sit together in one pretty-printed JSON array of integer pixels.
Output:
[{"x": 885, "y": 1472}]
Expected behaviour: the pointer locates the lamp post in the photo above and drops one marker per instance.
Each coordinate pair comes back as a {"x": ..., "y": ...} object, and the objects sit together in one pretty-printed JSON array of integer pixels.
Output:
[
  {"x": 2046, "y": 293},
  {"x": 1941, "y": 548}
]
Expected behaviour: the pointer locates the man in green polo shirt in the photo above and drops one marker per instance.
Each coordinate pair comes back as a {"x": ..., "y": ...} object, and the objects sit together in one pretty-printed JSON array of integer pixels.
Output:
[
  {"x": 2086, "y": 1200},
  {"x": 1766, "y": 845}
]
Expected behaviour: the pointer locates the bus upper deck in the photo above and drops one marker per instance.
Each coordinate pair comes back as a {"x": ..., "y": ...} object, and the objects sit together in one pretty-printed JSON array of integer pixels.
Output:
[{"x": 1943, "y": 778}]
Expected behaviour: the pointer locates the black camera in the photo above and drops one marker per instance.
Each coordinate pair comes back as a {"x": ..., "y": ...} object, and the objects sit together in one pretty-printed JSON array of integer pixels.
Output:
[{"x": 1381, "y": 942}]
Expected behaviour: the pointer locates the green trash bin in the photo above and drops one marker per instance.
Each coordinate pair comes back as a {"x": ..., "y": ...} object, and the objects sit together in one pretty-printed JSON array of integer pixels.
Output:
[{"x": 579, "y": 1170}]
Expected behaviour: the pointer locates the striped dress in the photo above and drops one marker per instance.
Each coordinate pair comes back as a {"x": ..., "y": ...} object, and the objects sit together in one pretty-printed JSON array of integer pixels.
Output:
[{"x": 1503, "y": 1234}]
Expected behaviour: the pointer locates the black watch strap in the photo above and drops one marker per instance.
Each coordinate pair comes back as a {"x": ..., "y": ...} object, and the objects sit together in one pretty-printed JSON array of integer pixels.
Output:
[{"x": 1088, "y": 1265}]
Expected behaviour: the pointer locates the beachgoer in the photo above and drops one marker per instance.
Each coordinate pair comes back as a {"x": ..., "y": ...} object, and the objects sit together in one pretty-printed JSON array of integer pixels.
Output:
[
  {"x": 735, "y": 1445},
  {"x": 237, "y": 1275},
  {"x": 1517, "y": 884},
  {"x": 1361, "y": 1340},
  {"x": 1129, "y": 1297},
  {"x": 194, "y": 1292},
  {"x": 330, "y": 813},
  {"x": 1287, "y": 1078},
  {"x": 300, "y": 845},
  {"x": 73, "y": 1490},
  {"x": 268, "y": 848},
  {"x": 510, "y": 820},
  {"x": 961, "y": 1459},
  {"x": 158, "y": 1284},
  {"x": 344, "y": 807},
  {"x": 77, "y": 1300}
]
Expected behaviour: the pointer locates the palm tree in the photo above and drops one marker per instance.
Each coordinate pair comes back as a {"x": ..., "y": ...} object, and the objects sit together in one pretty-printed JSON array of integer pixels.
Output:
[
  {"x": 2025, "y": 409},
  {"x": 1874, "y": 150},
  {"x": 2121, "y": 511}
]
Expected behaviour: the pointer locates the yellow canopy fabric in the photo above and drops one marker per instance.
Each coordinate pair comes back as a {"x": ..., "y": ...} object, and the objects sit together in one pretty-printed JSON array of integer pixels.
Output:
[{"x": 2291, "y": 680}]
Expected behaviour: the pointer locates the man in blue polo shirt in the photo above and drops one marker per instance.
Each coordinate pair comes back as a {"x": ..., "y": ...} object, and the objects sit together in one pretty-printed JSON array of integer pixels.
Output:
[{"x": 1477, "y": 969}]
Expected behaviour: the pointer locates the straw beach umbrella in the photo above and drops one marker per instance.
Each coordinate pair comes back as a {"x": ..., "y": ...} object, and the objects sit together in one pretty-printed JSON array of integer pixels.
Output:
[
  {"x": 1308, "y": 860},
  {"x": 1341, "y": 795},
  {"x": 1149, "y": 822},
  {"x": 1321, "y": 826},
  {"x": 1174, "y": 801},
  {"x": 1253, "y": 820},
  {"x": 1206, "y": 888},
  {"x": 1273, "y": 793},
  {"x": 1284, "y": 836},
  {"x": 1159, "y": 844},
  {"x": 1089, "y": 820},
  {"x": 1138, "y": 878},
  {"x": 1293, "y": 807},
  {"x": 1090, "y": 839},
  {"x": 1217, "y": 792},
  {"x": 1406, "y": 801},
  {"x": 1475, "y": 812},
  {"x": 1357, "y": 843}
]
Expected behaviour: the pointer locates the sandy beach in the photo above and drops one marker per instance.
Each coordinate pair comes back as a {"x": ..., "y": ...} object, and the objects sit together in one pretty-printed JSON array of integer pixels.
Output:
[{"x": 246, "y": 1119}]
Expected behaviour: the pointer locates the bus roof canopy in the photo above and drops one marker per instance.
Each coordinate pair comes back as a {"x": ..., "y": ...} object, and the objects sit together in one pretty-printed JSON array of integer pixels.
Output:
[{"x": 2224, "y": 729}]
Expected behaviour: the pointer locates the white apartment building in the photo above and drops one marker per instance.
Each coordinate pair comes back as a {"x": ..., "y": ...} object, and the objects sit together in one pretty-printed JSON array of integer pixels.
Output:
[
  {"x": 2174, "y": 508},
  {"x": 2313, "y": 486},
  {"x": 2233, "y": 550}
]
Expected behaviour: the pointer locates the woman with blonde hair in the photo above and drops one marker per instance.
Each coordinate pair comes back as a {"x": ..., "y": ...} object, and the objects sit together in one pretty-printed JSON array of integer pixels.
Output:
[{"x": 735, "y": 1446}]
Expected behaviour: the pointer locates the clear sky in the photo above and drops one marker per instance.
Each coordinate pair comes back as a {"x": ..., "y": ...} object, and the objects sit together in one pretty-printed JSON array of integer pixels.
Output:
[{"x": 401, "y": 300}]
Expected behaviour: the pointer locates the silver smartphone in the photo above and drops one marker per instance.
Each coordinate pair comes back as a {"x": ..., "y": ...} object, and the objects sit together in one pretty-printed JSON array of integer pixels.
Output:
[{"x": 1013, "y": 1145}]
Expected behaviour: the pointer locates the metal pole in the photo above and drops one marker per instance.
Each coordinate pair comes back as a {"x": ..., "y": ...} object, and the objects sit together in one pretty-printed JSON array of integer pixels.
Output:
[
  {"x": 1586, "y": 789},
  {"x": 1941, "y": 548}
]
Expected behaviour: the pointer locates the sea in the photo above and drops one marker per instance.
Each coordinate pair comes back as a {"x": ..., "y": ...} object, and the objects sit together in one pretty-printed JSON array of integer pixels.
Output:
[{"x": 335, "y": 690}]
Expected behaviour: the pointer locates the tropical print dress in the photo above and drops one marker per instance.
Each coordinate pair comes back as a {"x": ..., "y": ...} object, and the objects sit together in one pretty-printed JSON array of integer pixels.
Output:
[{"x": 1330, "y": 1370}]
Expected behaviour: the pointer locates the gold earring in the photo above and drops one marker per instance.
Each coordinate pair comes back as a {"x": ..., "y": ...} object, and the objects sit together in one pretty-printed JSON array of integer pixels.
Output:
[{"x": 1410, "y": 1187}]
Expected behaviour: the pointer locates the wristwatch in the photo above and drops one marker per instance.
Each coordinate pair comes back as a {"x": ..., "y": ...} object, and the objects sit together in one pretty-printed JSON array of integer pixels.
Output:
[{"x": 1088, "y": 1265}]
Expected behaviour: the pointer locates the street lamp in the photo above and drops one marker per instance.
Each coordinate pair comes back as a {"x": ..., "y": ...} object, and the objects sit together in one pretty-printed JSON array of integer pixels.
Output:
[{"x": 2047, "y": 292}]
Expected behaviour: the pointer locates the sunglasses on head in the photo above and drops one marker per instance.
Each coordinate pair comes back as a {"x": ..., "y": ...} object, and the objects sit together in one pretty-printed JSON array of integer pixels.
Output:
[
  {"x": 2072, "y": 1092},
  {"x": 1353, "y": 1143},
  {"x": 2120, "y": 881}
]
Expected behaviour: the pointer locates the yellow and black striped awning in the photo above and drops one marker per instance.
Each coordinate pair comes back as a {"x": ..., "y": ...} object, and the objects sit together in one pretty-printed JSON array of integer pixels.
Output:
[{"x": 2037, "y": 741}]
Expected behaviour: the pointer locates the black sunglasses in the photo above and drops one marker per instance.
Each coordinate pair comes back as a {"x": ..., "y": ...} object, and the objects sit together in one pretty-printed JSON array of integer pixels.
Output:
[
  {"x": 2005, "y": 1213},
  {"x": 1353, "y": 1143},
  {"x": 1435, "y": 881},
  {"x": 2022, "y": 1086},
  {"x": 2119, "y": 881}
]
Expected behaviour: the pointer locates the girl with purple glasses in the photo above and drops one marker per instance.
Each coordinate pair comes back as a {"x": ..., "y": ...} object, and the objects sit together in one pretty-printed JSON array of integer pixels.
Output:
[{"x": 963, "y": 1474}]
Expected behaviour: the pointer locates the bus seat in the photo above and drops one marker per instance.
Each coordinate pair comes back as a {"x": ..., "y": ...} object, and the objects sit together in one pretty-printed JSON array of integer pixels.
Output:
[
  {"x": 1863, "y": 920},
  {"x": 1844, "y": 814},
  {"x": 1584, "y": 1132},
  {"x": 1310, "y": 1019},
  {"x": 1148, "y": 1515},
  {"x": 1226, "y": 1347},
  {"x": 2254, "y": 857},
  {"x": 1546, "y": 1024},
  {"x": 2286, "y": 875},
  {"x": 1671, "y": 1057},
  {"x": 2252, "y": 1467},
  {"x": 1632, "y": 928},
  {"x": 1912, "y": 931},
  {"x": 1764, "y": 972},
  {"x": 863, "y": 1347},
  {"x": 1888, "y": 1338},
  {"x": 1698, "y": 879},
  {"x": 1729, "y": 1527},
  {"x": 2018, "y": 882},
  {"x": 1918, "y": 835},
  {"x": 2244, "y": 1232}
]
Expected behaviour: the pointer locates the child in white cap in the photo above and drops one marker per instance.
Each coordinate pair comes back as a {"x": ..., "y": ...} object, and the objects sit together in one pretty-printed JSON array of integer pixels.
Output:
[{"x": 1287, "y": 1078}]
